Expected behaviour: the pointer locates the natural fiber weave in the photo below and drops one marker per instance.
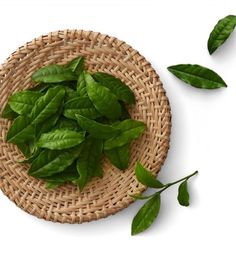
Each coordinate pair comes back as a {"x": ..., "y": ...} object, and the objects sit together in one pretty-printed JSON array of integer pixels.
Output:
[{"x": 110, "y": 194}]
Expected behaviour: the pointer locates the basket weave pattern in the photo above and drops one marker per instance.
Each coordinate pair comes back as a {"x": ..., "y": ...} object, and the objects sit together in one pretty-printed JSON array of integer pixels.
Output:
[{"x": 101, "y": 197}]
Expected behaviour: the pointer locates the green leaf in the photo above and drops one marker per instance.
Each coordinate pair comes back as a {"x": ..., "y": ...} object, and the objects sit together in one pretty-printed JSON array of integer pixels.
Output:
[
  {"x": 82, "y": 106},
  {"x": 59, "y": 139},
  {"x": 53, "y": 74},
  {"x": 221, "y": 32},
  {"x": 81, "y": 85},
  {"x": 197, "y": 76},
  {"x": 47, "y": 105},
  {"x": 119, "y": 157},
  {"x": 88, "y": 163},
  {"x": 50, "y": 162},
  {"x": 8, "y": 113},
  {"x": 76, "y": 65},
  {"x": 102, "y": 98},
  {"x": 24, "y": 101},
  {"x": 146, "y": 215},
  {"x": 21, "y": 130},
  {"x": 24, "y": 147},
  {"x": 130, "y": 130},
  {"x": 95, "y": 129},
  {"x": 146, "y": 178},
  {"x": 52, "y": 185},
  {"x": 67, "y": 123},
  {"x": 32, "y": 157},
  {"x": 120, "y": 89},
  {"x": 183, "y": 195}
]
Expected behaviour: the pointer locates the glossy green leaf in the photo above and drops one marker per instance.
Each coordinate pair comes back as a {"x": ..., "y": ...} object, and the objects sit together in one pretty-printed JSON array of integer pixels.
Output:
[
  {"x": 88, "y": 163},
  {"x": 146, "y": 178},
  {"x": 50, "y": 162},
  {"x": 82, "y": 106},
  {"x": 8, "y": 113},
  {"x": 59, "y": 139},
  {"x": 53, "y": 74},
  {"x": 130, "y": 130},
  {"x": 76, "y": 65},
  {"x": 47, "y": 105},
  {"x": 21, "y": 130},
  {"x": 221, "y": 32},
  {"x": 24, "y": 101},
  {"x": 119, "y": 157},
  {"x": 95, "y": 129},
  {"x": 183, "y": 195},
  {"x": 146, "y": 215},
  {"x": 102, "y": 98},
  {"x": 81, "y": 85},
  {"x": 197, "y": 76},
  {"x": 120, "y": 89}
]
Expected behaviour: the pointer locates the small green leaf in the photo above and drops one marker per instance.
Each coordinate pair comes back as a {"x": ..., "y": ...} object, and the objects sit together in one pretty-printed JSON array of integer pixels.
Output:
[
  {"x": 95, "y": 129},
  {"x": 21, "y": 130},
  {"x": 88, "y": 162},
  {"x": 103, "y": 99},
  {"x": 59, "y": 139},
  {"x": 146, "y": 215},
  {"x": 197, "y": 76},
  {"x": 81, "y": 85},
  {"x": 47, "y": 105},
  {"x": 76, "y": 65},
  {"x": 129, "y": 130},
  {"x": 53, "y": 74},
  {"x": 146, "y": 178},
  {"x": 8, "y": 113},
  {"x": 119, "y": 157},
  {"x": 183, "y": 195},
  {"x": 120, "y": 89},
  {"x": 82, "y": 106},
  {"x": 221, "y": 32},
  {"x": 24, "y": 101}
]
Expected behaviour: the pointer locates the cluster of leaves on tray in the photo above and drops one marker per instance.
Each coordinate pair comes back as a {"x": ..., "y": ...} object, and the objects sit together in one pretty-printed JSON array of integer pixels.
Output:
[
  {"x": 65, "y": 124},
  {"x": 202, "y": 77},
  {"x": 150, "y": 210}
]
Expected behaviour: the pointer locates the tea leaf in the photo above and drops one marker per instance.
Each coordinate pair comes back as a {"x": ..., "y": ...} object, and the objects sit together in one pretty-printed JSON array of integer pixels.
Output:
[{"x": 183, "y": 195}]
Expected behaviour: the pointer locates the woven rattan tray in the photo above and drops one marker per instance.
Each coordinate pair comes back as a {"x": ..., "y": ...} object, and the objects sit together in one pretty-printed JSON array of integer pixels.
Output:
[{"x": 110, "y": 194}]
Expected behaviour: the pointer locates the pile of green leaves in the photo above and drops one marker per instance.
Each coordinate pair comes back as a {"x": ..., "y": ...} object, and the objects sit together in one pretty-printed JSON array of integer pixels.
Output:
[{"x": 65, "y": 124}]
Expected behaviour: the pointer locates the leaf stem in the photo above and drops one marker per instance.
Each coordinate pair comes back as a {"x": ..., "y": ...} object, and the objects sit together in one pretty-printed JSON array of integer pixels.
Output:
[{"x": 176, "y": 182}]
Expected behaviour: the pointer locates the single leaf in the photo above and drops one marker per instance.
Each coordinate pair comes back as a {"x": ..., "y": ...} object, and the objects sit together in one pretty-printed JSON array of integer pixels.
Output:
[
  {"x": 119, "y": 157},
  {"x": 81, "y": 85},
  {"x": 197, "y": 76},
  {"x": 88, "y": 163},
  {"x": 53, "y": 74},
  {"x": 50, "y": 162},
  {"x": 8, "y": 113},
  {"x": 221, "y": 32},
  {"x": 102, "y": 98},
  {"x": 82, "y": 106},
  {"x": 47, "y": 105},
  {"x": 130, "y": 130},
  {"x": 146, "y": 215},
  {"x": 24, "y": 101},
  {"x": 183, "y": 195},
  {"x": 21, "y": 130},
  {"x": 120, "y": 89},
  {"x": 59, "y": 139},
  {"x": 95, "y": 129},
  {"x": 146, "y": 178},
  {"x": 76, "y": 65}
]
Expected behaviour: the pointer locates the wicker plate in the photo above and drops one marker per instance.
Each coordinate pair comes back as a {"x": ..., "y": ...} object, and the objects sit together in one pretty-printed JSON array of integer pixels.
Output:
[{"x": 110, "y": 194}]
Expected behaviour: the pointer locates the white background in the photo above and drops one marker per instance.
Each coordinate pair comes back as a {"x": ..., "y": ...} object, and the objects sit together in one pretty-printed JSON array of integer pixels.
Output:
[{"x": 203, "y": 133}]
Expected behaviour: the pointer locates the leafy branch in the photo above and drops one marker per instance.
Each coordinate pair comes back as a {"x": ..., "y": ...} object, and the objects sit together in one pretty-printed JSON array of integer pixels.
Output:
[{"x": 150, "y": 210}]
